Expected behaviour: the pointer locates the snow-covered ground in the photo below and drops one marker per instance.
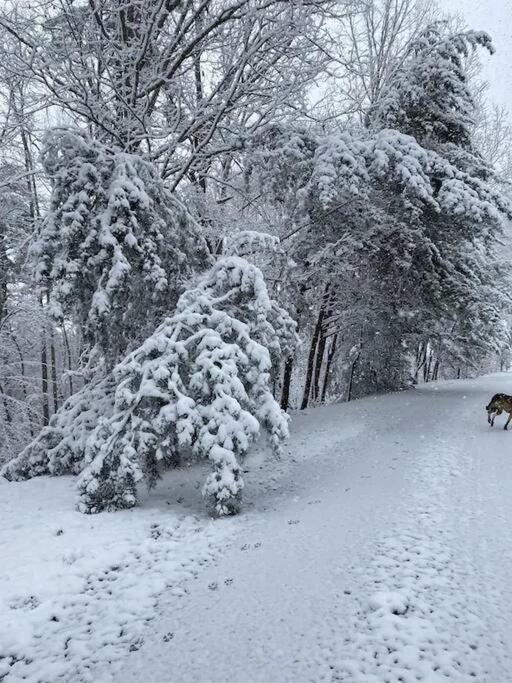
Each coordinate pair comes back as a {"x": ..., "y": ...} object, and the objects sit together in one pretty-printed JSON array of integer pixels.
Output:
[{"x": 379, "y": 551}]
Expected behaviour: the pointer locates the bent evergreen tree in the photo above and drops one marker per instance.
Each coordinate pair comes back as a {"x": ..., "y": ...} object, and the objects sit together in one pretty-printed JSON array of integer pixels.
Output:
[
  {"x": 200, "y": 386},
  {"x": 429, "y": 97},
  {"x": 114, "y": 256}
]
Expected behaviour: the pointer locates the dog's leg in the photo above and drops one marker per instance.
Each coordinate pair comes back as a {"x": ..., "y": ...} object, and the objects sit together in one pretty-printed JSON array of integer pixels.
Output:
[{"x": 509, "y": 418}]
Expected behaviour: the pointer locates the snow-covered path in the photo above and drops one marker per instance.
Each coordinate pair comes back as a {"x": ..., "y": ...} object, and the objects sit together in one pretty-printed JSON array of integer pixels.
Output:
[
  {"x": 380, "y": 551},
  {"x": 386, "y": 558}
]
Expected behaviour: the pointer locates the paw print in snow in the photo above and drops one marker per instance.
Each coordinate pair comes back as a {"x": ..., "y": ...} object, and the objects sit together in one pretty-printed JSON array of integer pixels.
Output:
[
  {"x": 167, "y": 637},
  {"x": 293, "y": 521},
  {"x": 228, "y": 582},
  {"x": 155, "y": 531},
  {"x": 213, "y": 585},
  {"x": 31, "y": 602},
  {"x": 136, "y": 644},
  {"x": 389, "y": 601}
]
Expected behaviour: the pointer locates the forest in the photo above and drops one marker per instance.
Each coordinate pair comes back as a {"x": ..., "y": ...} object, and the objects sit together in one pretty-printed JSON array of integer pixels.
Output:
[{"x": 213, "y": 212}]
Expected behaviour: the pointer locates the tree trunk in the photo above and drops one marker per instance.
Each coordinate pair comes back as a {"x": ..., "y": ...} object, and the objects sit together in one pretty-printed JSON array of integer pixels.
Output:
[
  {"x": 321, "y": 346},
  {"x": 418, "y": 353},
  {"x": 53, "y": 367},
  {"x": 311, "y": 358},
  {"x": 318, "y": 366},
  {"x": 429, "y": 367},
  {"x": 317, "y": 332},
  {"x": 327, "y": 376},
  {"x": 68, "y": 356},
  {"x": 436, "y": 370},
  {"x": 8, "y": 416},
  {"x": 55, "y": 386},
  {"x": 44, "y": 374},
  {"x": 421, "y": 359},
  {"x": 287, "y": 379},
  {"x": 44, "y": 382},
  {"x": 351, "y": 379}
]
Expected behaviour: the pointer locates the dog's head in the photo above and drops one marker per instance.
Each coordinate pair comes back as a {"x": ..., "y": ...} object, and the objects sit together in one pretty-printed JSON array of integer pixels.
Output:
[{"x": 492, "y": 403}]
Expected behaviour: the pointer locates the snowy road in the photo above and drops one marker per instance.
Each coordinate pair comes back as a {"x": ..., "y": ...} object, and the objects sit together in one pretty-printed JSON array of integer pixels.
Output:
[
  {"x": 386, "y": 558},
  {"x": 380, "y": 552}
]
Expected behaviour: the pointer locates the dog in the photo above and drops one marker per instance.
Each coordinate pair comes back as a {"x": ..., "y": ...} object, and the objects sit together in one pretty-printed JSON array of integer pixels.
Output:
[{"x": 500, "y": 403}]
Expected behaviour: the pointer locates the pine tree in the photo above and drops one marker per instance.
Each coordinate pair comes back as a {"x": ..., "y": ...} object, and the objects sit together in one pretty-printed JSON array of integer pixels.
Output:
[
  {"x": 199, "y": 385},
  {"x": 114, "y": 250},
  {"x": 429, "y": 96}
]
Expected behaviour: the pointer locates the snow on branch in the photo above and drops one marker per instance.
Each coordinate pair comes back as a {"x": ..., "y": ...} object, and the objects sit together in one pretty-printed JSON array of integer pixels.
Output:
[
  {"x": 248, "y": 242},
  {"x": 347, "y": 164},
  {"x": 59, "y": 447}
]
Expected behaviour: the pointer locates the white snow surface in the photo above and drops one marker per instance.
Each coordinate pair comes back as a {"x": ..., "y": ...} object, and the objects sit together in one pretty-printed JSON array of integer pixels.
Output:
[{"x": 378, "y": 551}]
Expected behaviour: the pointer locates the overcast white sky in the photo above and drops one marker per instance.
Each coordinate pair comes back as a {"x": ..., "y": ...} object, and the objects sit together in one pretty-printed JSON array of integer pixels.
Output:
[{"x": 495, "y": 17}]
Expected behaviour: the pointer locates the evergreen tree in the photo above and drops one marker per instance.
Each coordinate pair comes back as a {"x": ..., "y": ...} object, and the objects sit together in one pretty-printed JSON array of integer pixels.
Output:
[
  {"x": 114, "y": 250},
  {"x": 199, "y": 385},
  {"x": 429, "y": 96},
  {"x": 414, "y": 250}
]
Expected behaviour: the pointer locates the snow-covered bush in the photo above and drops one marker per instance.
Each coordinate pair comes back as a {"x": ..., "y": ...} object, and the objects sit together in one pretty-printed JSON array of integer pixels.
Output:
[{"x": 199, "y": 385}]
